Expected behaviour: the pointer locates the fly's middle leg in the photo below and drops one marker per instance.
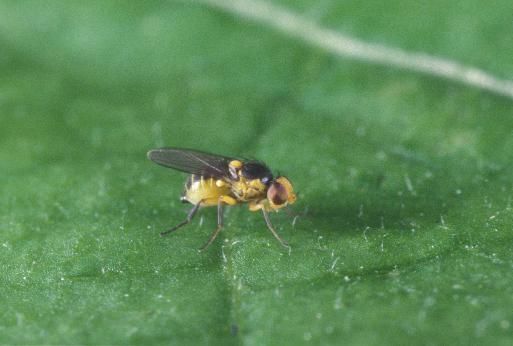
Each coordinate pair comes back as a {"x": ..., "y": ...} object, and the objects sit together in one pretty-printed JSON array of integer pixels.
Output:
[{"x": 222, "y": 200}]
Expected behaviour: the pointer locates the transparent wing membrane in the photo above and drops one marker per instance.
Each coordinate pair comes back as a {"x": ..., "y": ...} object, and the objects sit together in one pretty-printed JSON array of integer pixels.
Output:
[{"x": 191, "y": 161}]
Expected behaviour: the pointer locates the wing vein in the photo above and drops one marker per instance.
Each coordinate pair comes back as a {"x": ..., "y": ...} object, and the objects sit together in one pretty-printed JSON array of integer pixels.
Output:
[{"x": 191, "y": 161}]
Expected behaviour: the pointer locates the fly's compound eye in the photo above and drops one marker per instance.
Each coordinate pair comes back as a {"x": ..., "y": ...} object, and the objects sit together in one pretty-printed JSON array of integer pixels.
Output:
[{"x": 277, "y": 194}]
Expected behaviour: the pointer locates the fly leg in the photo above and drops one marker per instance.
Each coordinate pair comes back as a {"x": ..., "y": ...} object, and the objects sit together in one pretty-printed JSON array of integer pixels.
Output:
[
  {"x": 271, "y": 228},
  {"x": 226, "y": 200},
  {"x": 214, "y": 234},
  {"x": 191, "y": 214}
]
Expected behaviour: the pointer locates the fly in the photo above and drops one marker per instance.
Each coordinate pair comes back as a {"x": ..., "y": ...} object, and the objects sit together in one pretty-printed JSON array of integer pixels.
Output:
[{"x": 217, "y": 180}]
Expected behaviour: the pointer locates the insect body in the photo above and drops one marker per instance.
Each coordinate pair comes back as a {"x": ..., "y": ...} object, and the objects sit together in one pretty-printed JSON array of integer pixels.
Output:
[{"x": 218, "y": 180}]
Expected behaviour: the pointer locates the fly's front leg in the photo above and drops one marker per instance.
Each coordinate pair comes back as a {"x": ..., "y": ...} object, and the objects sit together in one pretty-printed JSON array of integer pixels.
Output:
[
  {"x": 226, "y": 200},
  {"x": 271, "y": 228},
  {"x": 191, "y": 214}
]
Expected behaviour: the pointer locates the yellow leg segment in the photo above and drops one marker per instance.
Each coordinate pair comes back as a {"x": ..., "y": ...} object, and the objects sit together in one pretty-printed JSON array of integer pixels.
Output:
[{"x": 227, "y": 200}]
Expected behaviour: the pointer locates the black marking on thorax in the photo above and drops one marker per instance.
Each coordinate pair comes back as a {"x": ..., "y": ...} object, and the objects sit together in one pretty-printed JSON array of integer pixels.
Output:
[{"x": 257, "y": 170}]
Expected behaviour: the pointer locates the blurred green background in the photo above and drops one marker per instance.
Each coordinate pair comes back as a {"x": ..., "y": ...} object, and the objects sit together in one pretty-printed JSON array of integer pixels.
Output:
[{"x": 406, "y": 180}]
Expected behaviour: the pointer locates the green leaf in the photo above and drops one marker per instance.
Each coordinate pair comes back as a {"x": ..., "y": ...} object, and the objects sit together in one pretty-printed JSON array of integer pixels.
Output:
[{"x": 404, "y": 181}]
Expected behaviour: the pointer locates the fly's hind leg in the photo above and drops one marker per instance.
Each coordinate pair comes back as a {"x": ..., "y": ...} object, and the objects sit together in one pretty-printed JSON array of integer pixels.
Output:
[
  {"x": 271, "y": 228},
  {"x": 191, "y": 214},
  {"x": 226, "y": 200}
]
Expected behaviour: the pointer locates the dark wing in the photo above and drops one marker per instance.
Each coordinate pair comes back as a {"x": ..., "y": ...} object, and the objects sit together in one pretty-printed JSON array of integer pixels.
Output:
[{"x": 191, "y": 161}]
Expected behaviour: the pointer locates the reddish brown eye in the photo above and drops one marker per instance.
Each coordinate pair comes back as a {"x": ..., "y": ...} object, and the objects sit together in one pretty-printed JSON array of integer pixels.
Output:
[{"x": 277, "y": 194}]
